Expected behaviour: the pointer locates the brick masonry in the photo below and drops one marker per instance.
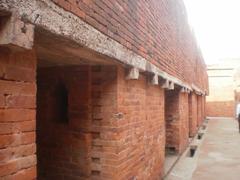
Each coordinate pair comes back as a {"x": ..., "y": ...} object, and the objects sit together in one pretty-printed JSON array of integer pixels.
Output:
[
  {"x": 177, "y": 120},
  {"x": 222, "y": 98},
  {"x": 192, "y": 114},
  {"x": 64, "y": 143},
  {"x": 92, "y": 123},
  {"x": 17, "y": 115},
  {"x": 115, "y": 128},
  {"x": 120, "y": 135},
  {"x": 221, "y": 109},
  {"x": 145, "y": 27}
]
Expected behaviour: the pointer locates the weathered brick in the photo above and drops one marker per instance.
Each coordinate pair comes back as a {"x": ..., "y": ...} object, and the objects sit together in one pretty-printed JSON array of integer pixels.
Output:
[
  {"x": 20, "y": 74},
  {"x": 15, "y": 101},
  {"x": 17, "y": 139},
  {"x": 30, "y": 173},
  {"x": 11, "y": 128},
  {"x": 17, "y": 134},
  {"x": 15, "y": 115},
  {"x": 11, "y": 87},
  {"x": 2, "y": 101},
  {"x": 16, "y": 165},
  {"x": 17, "y": 152}
]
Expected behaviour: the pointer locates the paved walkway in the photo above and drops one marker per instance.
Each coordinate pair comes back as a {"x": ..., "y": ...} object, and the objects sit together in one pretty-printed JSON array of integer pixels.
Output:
[{"x": 219, "y": 156}]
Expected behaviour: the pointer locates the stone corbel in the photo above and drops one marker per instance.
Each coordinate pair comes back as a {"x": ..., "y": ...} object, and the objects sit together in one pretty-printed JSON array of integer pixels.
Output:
[
  {"x": 16, "y": 34},
  {"x": 133, "y": 74},
  {"x": 165, "y": 84},
  {"x": 171, "y": 85},
  {"x": 154, "y": 79}
]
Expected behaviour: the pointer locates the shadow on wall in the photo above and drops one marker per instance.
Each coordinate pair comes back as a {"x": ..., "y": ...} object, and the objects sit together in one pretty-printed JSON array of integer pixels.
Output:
[{"x": 220, "y": 109}]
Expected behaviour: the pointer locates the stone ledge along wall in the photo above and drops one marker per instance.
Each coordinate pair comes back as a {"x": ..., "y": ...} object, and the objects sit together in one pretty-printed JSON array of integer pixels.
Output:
[{"x": 157, "y": 30}]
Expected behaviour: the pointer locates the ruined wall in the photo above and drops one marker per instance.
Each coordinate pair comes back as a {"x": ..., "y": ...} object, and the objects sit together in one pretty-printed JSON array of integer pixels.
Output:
[
  {"x": 156, "y": 30},
  {"x": 192, "y": 114},
  {"x": 17, "y": 115}
]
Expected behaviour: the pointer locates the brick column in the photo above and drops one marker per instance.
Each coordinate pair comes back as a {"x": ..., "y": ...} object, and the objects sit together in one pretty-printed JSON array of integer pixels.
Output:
[
  {"x": 177, "y": 120},
  {"x": 199, "y": 110},
  {"x": 17, "y": 115},
  {"x": 192, "y": 114}
]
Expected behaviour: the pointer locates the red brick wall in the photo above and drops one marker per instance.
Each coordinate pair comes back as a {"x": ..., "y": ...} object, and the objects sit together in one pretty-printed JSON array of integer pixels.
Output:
[
  {"x": 199, "y": 110},
  {"x": 184, "y": 120},
  {"x": 171, "y": 119},
  {"x": 192, "y": 114},
  {"x": 64, "y": 146},
  {"x": 220, "y": 109},
  {"x": 157, "y": 30},
  {"x": 177, "y": 120},
  {"x": 17, "y": 115},
  {"x": 105, "y": 121},
  {"x": 141, "y": 131}
]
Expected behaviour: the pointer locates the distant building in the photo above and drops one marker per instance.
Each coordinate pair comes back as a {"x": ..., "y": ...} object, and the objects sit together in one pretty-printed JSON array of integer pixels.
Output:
[{"x": 224, "y": 81}]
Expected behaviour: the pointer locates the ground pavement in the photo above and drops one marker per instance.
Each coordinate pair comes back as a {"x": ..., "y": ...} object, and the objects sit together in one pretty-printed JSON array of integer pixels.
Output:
[{"x": 217, "y": 156}]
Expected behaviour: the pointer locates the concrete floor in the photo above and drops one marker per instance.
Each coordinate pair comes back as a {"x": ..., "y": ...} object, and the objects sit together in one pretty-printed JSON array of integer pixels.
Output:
[{"x": 217, "y": 156}]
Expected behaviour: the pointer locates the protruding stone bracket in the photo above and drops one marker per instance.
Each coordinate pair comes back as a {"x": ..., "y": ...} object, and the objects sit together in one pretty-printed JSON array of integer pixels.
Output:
[
  {"x": 154, "y": 79},
  {"x": 171, "y": 85},
  {"x": 16, "y": 34},
  {"x": 165, "y": 84},
  {"x": 133, "y": 74},
  {"x": 185, "y": 90}
]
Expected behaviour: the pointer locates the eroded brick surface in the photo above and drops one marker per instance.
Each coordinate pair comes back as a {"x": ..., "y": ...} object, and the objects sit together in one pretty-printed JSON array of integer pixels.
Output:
[
  {"x": 177, "y": 120},
  {"x": 17, "y": 115},
  {"x": 192, "y": 114}
]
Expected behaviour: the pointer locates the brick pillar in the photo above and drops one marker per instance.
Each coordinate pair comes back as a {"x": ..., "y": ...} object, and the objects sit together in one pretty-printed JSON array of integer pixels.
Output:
[
  {"x": 105, "y": 121},
  {"x": 177, "y": 120},
  {"x": 17, "y": 115},
  {"x": 192, "y": 114},
  {"x": 141, "y": 129},
  {"x": 184, "y": 119},
  {"x": 203, "y": 107},
  {"x": 199, "y": 110}
]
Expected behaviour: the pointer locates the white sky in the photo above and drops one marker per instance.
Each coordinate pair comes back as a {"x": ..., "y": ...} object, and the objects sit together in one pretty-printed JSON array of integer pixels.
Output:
[{"x": 216, "y": 24}]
